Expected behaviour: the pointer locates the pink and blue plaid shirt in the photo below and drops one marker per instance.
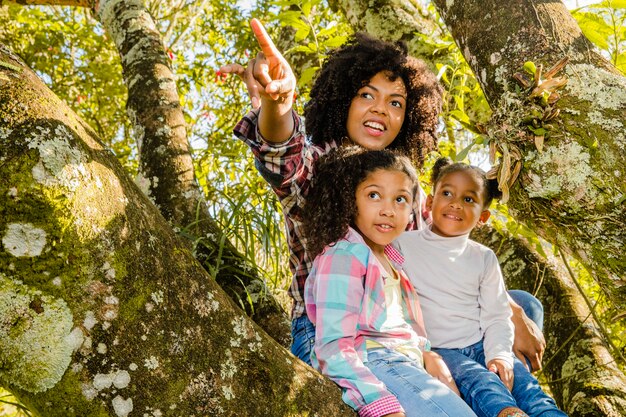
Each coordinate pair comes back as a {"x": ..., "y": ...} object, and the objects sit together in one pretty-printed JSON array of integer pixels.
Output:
[
  {"x": 345, "y": 299},
  {"x": 288, "y": 168}
]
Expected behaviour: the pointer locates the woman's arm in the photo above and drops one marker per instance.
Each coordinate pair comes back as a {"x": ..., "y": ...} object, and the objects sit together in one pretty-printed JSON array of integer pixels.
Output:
[
  {"x": 270, "y": 80},
  {"x": 529, "y": 342}
]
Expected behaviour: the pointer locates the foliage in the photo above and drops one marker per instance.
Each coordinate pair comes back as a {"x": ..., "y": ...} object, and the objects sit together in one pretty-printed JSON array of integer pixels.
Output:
[
  {"x": 9, "y": 407},
  {"x": 604, "y": 24},
  {"x": 317, "y": 31},
  {"x": 69, "y": 50}
]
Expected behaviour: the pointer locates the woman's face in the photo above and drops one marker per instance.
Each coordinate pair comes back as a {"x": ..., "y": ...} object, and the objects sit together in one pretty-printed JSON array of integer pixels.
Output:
[{"x": 377, "y": 112}]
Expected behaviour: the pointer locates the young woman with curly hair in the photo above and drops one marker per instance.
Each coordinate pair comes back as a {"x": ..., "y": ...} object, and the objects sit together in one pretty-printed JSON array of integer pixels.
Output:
[
  {"x": 369, "y": 333},
  {"x": 369, "y": 93}
]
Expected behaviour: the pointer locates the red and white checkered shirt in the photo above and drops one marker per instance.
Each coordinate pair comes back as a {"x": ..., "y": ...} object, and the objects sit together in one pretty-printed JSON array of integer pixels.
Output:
[{"x": 288, "y": 169}]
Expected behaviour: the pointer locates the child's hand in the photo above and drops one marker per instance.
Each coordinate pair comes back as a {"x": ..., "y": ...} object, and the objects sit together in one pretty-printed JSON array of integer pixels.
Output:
[
  {"x": 268, "y": 75},
  {"x": 437, "y": 368},
  {"x": 504, "y": 371}
]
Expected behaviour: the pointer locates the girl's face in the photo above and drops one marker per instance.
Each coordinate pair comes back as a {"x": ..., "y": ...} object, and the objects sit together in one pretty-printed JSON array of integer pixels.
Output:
[
  {"x": 384, "y": 201},
  {"x": 458, "y": 204},
  {"x": 377, "y": 112}
]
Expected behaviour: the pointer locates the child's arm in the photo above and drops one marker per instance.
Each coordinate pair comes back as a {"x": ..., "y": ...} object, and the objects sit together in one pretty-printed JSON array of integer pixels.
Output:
[
  {"x": 529, "y": 341},
  {"x": 436, "y": 367},
  {"x": 268, "y": 78},
  {"x": 504, "y": 371},
  {"x": 495, "y": 312}
]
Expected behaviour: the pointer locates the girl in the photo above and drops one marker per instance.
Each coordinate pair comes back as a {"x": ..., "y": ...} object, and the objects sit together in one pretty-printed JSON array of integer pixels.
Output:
[
  {"x": 464, "y": 299},
  {"x": 369, "y": 334},
  {"x": 368, "y": 92}
]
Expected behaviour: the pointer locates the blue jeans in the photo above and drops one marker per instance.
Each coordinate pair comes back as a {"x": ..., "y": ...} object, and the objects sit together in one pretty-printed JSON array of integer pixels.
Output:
[
  {"x": 420, "y": 394},
  {"x": 302, "y": 338},
  {"x": 303, "y": 331},
  {"x": 484, "y": 391},
  {"x": 531, "y": 305}
]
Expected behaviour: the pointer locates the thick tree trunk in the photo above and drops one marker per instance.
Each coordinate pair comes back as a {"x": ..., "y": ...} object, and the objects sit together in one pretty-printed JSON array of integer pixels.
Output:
[
  {"x": 165, "y": 158},
  {"x": 572, "y": 192},
  {"x": 103, "y": 309},
  {"x": 166, "y": 165},
  {"x": 392, "y": 20},
  {"x": 578, "y": 367}
]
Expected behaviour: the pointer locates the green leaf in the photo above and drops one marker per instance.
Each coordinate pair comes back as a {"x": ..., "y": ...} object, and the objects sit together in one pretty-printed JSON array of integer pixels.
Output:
[
  {"x": 459, "y": 115},
  {"x": 614, "y": 4},
  {"x": 302, "y": 33},
  {"x": 307, "y": 75},
  {"x": 540, "y": 131},
  {"x": 328, "y": 31},
  {"x": 463, "y": 154},
  {"x": 441, "y": 75},
  {"x": 335, "y": 41},
  {"x": 595, "y": 28},
  {"x": 306, "y": 8},
  {"x": 530, "y": 67}
]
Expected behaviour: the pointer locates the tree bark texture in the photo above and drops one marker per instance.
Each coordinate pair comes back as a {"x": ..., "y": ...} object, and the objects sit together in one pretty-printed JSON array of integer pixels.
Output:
[
  {"x": 166, "y": 162},
  {"x": 572, "y": 191},
  {"x": 103, "y": 309},
  {"x": 79, "y": 3},
  {"x": 392, "y": 20},
  {"x": 578, "y": 367}
]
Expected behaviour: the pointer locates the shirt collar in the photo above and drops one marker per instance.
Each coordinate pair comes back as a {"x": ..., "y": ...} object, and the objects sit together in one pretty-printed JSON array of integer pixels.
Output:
[{"x": 394, "y": 255}]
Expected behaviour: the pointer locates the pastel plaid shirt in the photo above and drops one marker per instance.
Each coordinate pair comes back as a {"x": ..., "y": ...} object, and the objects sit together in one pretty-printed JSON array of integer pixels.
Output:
[
  {"x": 288, "y": 169},
  {"x": 345, "y": 299}
]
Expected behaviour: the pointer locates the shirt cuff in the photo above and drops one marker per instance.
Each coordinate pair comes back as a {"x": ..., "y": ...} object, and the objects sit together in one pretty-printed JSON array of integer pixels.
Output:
[
  {"x": 381, "y": 407},
  {"x": 294, "y": 133}
]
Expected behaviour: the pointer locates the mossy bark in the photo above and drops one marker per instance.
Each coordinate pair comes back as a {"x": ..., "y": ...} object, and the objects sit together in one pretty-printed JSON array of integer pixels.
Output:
[
  {"x": 148, "y": 331},
  {"x": 166, "y": 163},
  {"x": 392, "y": 20},
  {"x": 577, "y": 366},
  {"x": 571, "y": 192}
]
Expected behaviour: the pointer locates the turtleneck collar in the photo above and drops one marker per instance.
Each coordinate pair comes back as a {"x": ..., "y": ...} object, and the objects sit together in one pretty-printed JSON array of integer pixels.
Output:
[{"x": 448, "y": 243}]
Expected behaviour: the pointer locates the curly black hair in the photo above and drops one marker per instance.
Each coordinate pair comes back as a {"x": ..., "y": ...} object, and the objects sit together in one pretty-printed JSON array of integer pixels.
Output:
[
  {"x": 331, "y": 204},
  {"x": 444, "y": 166},
  {"x": 352, "y": 66}
]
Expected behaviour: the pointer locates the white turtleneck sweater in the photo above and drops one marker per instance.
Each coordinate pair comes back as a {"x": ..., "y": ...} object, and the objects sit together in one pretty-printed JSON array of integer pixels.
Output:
[{"x": 461, "y": 292}]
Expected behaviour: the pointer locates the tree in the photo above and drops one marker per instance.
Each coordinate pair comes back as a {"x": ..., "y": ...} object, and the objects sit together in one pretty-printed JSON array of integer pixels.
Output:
[
  {"x": 114, "y": 250},
  {"x": 570, "y": 189},
  {"x": 104, "y": 310}
]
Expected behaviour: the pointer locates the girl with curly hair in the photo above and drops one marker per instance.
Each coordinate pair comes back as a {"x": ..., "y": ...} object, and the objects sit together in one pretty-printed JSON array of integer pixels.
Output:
[
  {"x": 369, "y": 333},
  {"x": 464, "y": 299},
  {"x": 369, "y": 93}
]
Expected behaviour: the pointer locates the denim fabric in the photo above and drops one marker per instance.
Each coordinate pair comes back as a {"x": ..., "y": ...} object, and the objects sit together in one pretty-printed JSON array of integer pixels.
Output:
[
  {"x": 531, "y": 305},
  {"x": 484, "y": 391},
  {"x": 302, "y": 338},
  {"x": 303, "y": 331},
  {"x": 420, "y": 394}
]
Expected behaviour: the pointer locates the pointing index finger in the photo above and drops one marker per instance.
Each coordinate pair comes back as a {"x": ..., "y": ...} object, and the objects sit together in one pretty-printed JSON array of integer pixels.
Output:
[{"x": 265, "y": 42}]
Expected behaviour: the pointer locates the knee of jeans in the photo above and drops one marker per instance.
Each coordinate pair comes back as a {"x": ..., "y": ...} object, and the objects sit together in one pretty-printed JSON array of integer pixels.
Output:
[{"x": 530, "y": 304}]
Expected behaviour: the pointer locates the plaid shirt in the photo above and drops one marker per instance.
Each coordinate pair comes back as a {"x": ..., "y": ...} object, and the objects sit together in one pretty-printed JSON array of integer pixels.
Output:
[
  {"x": 345, "y": 299},
  {"x": 288, "y": 169}
]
